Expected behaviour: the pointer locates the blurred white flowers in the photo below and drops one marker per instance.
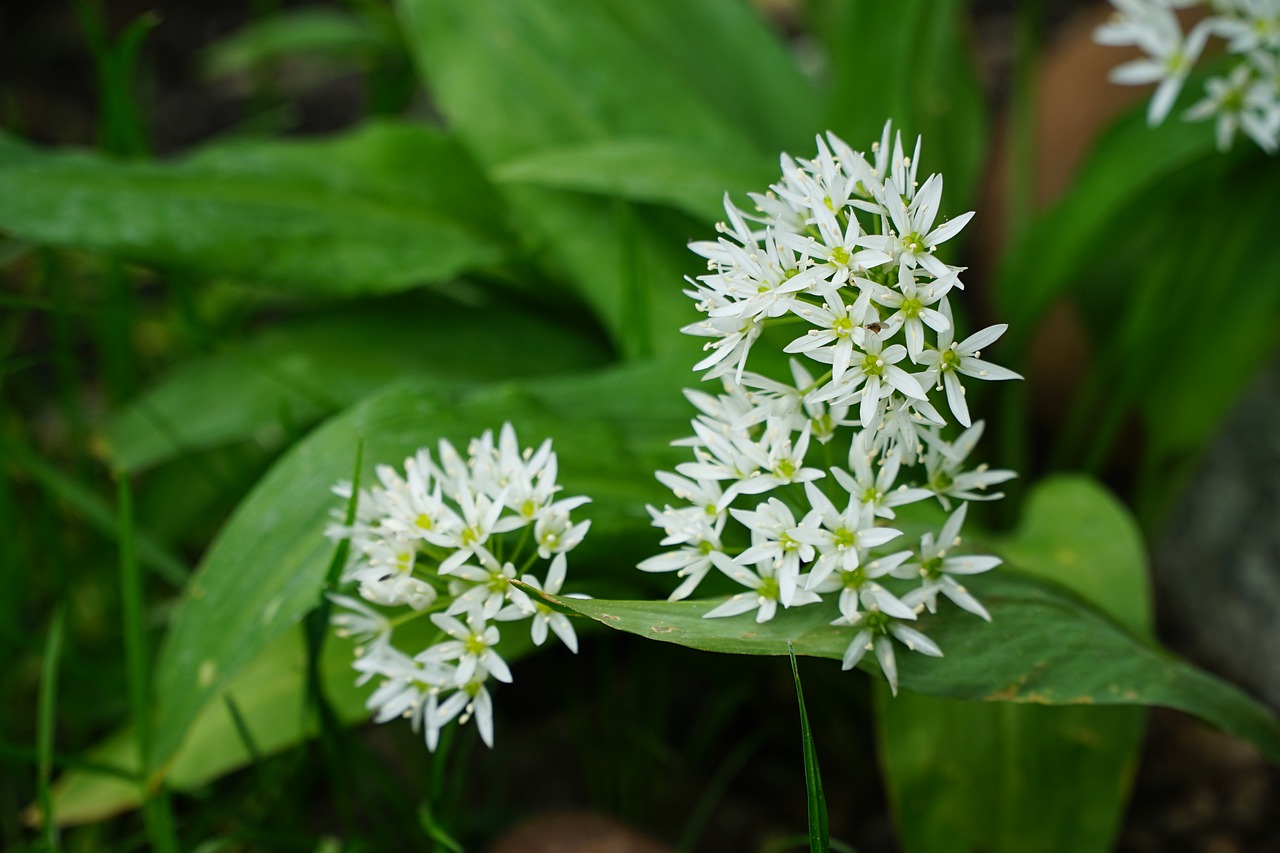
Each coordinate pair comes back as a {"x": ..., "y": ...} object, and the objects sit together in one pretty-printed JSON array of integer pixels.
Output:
[
  {"x": 1247, "y": 98},
  {"x": 444, "y": 540}
]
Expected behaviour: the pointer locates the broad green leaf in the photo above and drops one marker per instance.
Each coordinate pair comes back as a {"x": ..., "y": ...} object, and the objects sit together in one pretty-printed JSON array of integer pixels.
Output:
[
  {"x": 1005, "y": 777},
  {"x": 518, "y": 79},
  {"x": 271, "y": 699},
  {"x": 909, "y": 62},
  {"x": 386, "y": 208},
  {"x": 265, "y": 569},
  {"x": 270, "y": 696},
  {"x": 1044, "y": 646},
  {"x": 691, "y": 178},
  {"x": 287, "y": 378},
  {"x": 308, "y": 32}
]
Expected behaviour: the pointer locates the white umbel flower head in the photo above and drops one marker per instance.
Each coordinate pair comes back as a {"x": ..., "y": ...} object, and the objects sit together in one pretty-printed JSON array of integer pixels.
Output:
[{"x": 443, "y": 540}]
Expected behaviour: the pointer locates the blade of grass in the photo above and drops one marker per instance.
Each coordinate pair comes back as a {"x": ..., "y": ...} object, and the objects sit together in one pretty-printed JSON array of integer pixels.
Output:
[
  {"x": 63, "y": 761},
  {"x": 120, "y": 125},
  {"x": 156, "y": 814},
  {"x": 819, "y": 832},
  {"x": 242, "y": 728},
  {"x": 95, "y": 511},
  {"x": 46, "y": 715}
]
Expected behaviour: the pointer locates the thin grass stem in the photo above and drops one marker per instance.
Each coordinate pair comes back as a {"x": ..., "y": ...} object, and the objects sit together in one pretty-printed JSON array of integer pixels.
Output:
[{"x": 46, "y": 719}]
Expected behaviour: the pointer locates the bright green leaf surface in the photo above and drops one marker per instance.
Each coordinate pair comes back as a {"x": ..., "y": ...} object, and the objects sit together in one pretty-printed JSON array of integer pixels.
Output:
[
  {"x": 1044, "y": 647},
  {"x": 270, "y": 696},
  {"x": 1005, "y": 777},
  {"x": 290, "y": 376},
  {"x": 691, "y": 178},
  {"x": 265, "y": 568},
  {"x": 385, "y": 208}
]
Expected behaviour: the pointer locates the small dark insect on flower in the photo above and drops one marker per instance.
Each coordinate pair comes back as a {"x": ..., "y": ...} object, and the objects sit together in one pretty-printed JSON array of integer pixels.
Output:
[{"x": 873, "y": 328}]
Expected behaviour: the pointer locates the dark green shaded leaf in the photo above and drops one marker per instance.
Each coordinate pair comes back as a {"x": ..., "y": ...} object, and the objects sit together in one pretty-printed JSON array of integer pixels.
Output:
[
  {"x": 290, "y": 376},
  {"x": 385, "y": 208},
  {"x": 923, "y": 79},
  {"x": 1059, "y": 249}
]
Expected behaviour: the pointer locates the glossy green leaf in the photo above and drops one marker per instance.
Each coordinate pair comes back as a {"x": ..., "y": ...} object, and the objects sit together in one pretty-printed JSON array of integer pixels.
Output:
[
  {"x": 265, "y": 569},
  {"x": 1005, "y": 777},
  {"x": 288, "y": 377},
  {"x": 923, "y": 80},
  {"x": 1044, "y": 646},
  {"x": 385, "y": 208},
  {"x": 691, "y": 178}
]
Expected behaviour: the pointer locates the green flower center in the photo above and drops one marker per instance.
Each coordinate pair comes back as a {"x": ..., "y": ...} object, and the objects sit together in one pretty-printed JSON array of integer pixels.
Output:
[
  {"x": 474, "y": 644},
  {"x": 931, "y": 568},
  {"x": 854, "y": 579},
  {"x": 769, "y": 589},
  {"x": 911, "y": 308},
  {"x": 913, "y": 243},
  {"x": 877, "y": 622},
  {"x": 705, "y": 548},
  {"x": 839, "y": 256},
  {"x": 786, "y": 469},
  {"x": 950, "y": 360},
  {"x": 845, "y": 539},
  {"x": 872, "y": 365},
  {"x": 424, "y": 521},
  {"x": 842, "y": 326}
]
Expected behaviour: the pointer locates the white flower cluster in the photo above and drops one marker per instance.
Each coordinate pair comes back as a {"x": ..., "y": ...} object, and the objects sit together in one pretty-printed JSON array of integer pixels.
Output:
[
  {"x": 444, "y": 540},
  {"x": 1247, "y": 99},
  {"x": 793, "y": 487}
]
